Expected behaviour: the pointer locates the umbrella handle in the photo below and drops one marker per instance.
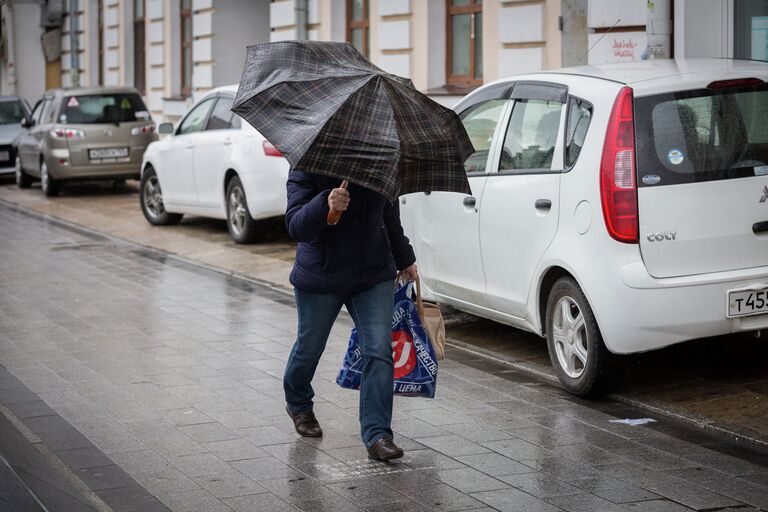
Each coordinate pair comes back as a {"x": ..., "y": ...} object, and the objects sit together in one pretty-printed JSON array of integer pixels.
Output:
[{"x": 334, "y": 215}]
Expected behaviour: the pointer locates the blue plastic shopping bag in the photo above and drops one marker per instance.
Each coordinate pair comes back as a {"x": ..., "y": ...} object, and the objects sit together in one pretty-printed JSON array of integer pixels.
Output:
[{"x": 413, "y": 355}]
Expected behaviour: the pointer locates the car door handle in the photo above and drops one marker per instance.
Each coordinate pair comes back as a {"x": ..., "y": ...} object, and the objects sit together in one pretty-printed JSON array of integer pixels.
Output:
[
  {"x": 760, "y": 227},
  {"x": 470, "y": 201},
  {"x": 227, "y": 141},
  {"x": 543, "y": 204}
]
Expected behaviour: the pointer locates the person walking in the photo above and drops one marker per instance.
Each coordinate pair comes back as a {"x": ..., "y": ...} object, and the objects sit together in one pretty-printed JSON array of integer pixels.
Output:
[{"x": 352, "y": 263}]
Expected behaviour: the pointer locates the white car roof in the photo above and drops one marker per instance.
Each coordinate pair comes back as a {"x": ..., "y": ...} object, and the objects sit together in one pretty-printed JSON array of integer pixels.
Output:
[{"x": 659, "y": 75}]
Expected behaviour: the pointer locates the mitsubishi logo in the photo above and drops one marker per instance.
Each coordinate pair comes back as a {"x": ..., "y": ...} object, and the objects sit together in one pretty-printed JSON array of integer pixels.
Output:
[
  {"x": 108, "y": 132},
  {"x": 765, "y": 194}
]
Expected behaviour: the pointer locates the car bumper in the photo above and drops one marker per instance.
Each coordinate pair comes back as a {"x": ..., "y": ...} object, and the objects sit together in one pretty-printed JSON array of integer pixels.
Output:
[
  {"x": 4, "y": 171},
  {"x": 94, "y": 171},
  {"x": 638, "y": 312}
]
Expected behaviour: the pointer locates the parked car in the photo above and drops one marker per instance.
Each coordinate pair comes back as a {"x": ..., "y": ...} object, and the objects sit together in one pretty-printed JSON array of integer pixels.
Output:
[
  {"x": 615, "y": 209},
  {"x": 216, "y": 165},
  {"x": 12, "y": 110},
  {"x": 83, "y": 134}
]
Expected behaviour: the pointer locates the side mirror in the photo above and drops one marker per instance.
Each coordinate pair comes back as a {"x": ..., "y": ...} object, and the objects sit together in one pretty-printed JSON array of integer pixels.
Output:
[
  {"x": 25, "y": 123},
  {"x": 165, "y": 128}
]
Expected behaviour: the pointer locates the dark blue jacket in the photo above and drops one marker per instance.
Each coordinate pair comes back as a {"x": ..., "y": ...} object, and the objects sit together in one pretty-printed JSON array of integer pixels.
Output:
[{"x": 366, "y": 247}]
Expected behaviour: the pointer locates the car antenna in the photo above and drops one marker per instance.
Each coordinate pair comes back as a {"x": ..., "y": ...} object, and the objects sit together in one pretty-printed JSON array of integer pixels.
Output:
[{"x": 601, "y": 38}]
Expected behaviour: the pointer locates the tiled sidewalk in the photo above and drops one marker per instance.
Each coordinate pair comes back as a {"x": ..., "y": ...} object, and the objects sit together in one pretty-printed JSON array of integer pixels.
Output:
[{"x": 173, "y": 372}]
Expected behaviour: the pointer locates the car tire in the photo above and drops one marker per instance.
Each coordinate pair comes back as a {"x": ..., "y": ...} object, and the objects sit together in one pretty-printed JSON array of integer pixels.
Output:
[
  {"x": 576, "y": 349},
  {"x": 242, "y": 228},
  {"x": 23, "y": 180},
  {"x": 49, "y": 185},
  {"x": 151, "y": 199}
]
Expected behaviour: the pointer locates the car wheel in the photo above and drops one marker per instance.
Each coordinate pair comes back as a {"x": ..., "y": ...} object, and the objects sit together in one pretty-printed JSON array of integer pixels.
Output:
[
  {"x": 49, "y": 185},
  {"x": 242, "y": 227},
  {"x": 23, "y": 180},
  {"x": 580, "y": 358},
  {"x": 151, "y": 199}
]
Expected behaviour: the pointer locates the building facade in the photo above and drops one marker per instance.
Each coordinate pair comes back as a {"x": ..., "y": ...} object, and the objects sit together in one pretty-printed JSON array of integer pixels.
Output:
[{"x": 174, "y": 50}]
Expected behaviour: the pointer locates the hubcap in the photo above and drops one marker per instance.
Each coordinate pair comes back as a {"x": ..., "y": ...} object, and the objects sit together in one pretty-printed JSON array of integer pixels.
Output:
[
  {"x": 569, "y": 333},
  {"x": 237, "y": 210},
  {"x": 153, "y": 197}
]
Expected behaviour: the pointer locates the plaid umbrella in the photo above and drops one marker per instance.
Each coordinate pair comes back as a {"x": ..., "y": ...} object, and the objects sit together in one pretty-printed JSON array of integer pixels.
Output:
[{"x": 331, "y": 112}]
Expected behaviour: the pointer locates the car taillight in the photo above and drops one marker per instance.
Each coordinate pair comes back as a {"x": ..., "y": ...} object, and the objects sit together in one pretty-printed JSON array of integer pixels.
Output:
[
  {"x": 143, "y": 130},
  {"x": 269, "y": 149},
  {"x": 618, "y": 187},
  {"x": 67, "y": 133}
]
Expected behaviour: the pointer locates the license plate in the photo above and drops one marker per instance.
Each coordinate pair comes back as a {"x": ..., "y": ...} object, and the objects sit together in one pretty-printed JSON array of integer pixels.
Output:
[
  {"x": 747, "y": 302},
  {"x": 97, "y": 154},
  {"x": 5, "y": 156}
]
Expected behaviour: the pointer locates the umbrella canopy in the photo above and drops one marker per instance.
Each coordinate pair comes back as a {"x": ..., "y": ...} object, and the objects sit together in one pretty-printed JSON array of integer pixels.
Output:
[{"x": 331, "y": 112}]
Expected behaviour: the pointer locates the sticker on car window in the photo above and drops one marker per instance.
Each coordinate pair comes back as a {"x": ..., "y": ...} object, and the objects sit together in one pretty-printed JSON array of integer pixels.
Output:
[
  {"x": 675, "y": 157},
  {"x": 73, "y": 102},
  {"x": 141, "y": 114},
  {"x": 651, "y": 179},
  {"x": 761, "y": 170}
]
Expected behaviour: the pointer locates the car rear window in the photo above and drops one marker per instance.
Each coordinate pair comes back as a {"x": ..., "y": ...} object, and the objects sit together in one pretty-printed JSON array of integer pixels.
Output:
[
  {"x": 11, "y": 112},
  {"x": 701, "y": 135},
  {"x": 104, "y": 108}
]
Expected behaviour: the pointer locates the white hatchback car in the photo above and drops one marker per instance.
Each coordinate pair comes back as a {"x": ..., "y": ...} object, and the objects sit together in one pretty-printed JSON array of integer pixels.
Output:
[
  {"x": 615, "y": 209},
  {"x": 215, "y": 165}
]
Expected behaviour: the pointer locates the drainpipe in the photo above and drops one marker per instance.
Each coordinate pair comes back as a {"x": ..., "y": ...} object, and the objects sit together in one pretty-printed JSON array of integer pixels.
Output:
[
  {"x": 74, "y": 61},
  {"x": 658, "y": 28},
  {"x": 10, "y": 50},
  {"x": 302, "y": 16}
]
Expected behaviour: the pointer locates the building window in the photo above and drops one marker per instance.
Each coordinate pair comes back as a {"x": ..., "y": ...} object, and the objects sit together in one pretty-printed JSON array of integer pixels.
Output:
[
  {"x": 357, "y": 25},
  {"x": 186, "y": 47},
  {"x": 139, "y": 47},
  {"x": 465, "y": 42}
]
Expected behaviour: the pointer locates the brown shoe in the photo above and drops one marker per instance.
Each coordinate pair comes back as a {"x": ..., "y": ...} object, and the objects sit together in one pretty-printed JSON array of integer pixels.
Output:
[
  {"x": 384, "y": 449},
  {"x": 305, "y": 423}
]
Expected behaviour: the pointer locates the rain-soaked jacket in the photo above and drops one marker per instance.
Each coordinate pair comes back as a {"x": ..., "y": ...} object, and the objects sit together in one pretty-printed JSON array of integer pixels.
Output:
[{"x": 365, "y": 248}]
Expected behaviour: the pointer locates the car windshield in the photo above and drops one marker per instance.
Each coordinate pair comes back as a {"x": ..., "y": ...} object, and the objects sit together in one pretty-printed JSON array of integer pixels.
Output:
[
  {"x": 104, "y": 108},
  {"x": 702, "y": 135},
  {"x": 11, "y": 112}
]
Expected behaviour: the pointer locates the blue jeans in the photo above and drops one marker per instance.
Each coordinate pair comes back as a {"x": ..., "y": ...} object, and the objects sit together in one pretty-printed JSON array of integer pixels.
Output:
[{"x": 371, "y": 311}]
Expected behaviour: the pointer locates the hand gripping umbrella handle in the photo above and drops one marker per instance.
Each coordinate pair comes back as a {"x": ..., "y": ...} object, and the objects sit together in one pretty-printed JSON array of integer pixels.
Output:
[{"x": 334, "y": 215}]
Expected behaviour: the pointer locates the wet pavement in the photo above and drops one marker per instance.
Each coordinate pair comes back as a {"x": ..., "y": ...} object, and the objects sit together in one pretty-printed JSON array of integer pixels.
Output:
[
  {"x": 720, "y": 384},
  {"x": 154, "y": 384}
]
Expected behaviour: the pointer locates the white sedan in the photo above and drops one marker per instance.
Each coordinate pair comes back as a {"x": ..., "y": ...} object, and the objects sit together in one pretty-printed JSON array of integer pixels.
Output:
[{"x": 213, "y": 164}]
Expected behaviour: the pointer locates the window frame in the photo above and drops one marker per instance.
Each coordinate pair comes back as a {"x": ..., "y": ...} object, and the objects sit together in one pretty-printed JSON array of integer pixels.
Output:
[
  {"x": 205, "y": 119},
  {"x": 100, "y": 29},
  {"x": 363, "y": 24},
  {"x": 34, "y": 112},
  {"x": 140, "y": 47},
  {"x": 494, "y": 139},
  {"x": 566, "y": 167},
  {"x": 533, "y": 90},
  {"x": 218, "y": 98},
  {"x": 186, "y": 89},
  {"x": 475, "y": 6}
]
